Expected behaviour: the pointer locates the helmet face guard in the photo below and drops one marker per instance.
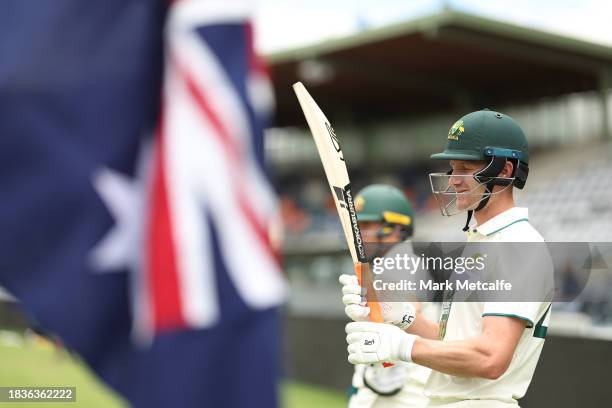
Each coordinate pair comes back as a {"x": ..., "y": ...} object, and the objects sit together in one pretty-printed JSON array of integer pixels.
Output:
[
  {"x": 449, "y": 200},
  {"x": 452, "y": 202}
]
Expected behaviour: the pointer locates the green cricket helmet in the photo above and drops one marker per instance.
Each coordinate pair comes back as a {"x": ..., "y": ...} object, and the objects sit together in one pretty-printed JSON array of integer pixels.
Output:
[
  {"x": 387, "y": 205},
  {"x": 488, "y": 136},
  {"x": 484, "y": 134}
]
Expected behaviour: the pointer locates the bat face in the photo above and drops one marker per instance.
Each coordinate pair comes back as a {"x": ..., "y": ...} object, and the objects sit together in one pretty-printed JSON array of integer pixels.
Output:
[
  {"x": 334, "y": 165},
  {"x": 332, "y": 158}
]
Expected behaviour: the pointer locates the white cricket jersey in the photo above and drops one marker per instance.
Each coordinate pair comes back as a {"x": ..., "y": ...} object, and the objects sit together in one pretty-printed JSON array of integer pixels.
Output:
[{"x": 463, "y": 320}]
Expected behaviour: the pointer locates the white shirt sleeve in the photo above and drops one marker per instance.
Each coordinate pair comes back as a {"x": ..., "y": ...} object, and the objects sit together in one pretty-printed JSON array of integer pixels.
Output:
[{"x": 527, "y": 311}]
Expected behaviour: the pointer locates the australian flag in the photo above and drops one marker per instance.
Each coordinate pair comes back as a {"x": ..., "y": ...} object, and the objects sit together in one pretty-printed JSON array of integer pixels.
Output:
[{"x": 135, "y": 209}]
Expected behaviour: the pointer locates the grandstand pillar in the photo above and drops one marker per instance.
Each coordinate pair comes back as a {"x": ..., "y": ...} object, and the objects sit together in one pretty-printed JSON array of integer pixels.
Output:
[{"x": 605, "y": 83}]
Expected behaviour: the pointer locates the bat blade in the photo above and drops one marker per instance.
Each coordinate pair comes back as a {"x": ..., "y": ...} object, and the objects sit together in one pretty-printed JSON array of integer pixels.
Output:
[
  {"x": 334, "y": 165},
  {"x": 332, "y": 158}
]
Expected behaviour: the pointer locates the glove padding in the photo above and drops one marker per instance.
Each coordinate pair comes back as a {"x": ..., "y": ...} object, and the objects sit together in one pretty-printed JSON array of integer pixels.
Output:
[
  {"x": 370, "y": 343},
  {"x": 400, "y": 314}
]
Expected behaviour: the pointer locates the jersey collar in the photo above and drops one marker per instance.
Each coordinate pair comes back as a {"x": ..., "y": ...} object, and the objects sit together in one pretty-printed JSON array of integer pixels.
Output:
[{"x": 503, "y": 220}]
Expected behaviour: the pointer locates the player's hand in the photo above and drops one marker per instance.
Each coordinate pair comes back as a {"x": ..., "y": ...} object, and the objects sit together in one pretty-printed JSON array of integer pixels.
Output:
[
  {"x": 400, "y": 314},
  {"x": 352, "y": 297},
  {"x": 377, "y": 342}
]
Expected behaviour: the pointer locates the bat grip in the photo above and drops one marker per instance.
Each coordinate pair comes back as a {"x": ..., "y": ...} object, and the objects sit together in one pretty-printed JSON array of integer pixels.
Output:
[{"x": 362, "y": 270}]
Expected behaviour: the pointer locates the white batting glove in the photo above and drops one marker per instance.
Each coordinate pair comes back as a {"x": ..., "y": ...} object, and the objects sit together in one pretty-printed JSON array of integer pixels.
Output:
[
  {"x": 370, "y": 343},
  {"x": 352, "y": 297},
  {"x": 400, "y": 314}
]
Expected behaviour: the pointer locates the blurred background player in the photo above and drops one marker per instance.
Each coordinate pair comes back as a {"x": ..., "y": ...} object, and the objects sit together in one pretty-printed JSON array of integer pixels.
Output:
[{"x": 386, "y": 218}]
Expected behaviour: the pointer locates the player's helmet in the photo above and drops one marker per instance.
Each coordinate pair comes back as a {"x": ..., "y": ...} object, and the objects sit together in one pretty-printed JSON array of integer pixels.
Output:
[
  {"x": 387, "y": 205},
  {"x": 483, "y": 135}
]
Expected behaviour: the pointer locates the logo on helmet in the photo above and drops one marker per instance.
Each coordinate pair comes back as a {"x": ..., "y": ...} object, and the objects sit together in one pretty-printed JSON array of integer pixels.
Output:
[
  {"x": 456, "y": 130},
  {"x": 359, "y": 203}
]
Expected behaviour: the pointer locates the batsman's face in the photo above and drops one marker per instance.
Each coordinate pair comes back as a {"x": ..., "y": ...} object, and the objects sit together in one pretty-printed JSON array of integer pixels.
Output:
[
  {"x": 375, "y": 234},
  {"x": 462, "y": 182},
  {"x": 371, "y": 232}
]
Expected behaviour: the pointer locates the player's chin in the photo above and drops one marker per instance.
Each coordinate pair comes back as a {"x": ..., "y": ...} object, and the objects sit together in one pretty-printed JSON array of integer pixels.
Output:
[{"x": 464, "y": 203}]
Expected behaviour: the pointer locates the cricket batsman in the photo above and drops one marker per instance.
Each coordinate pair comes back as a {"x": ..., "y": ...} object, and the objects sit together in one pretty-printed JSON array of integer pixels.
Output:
[
  {"x": 385, "y": 218},
  {"x": 482, "y": 354}
]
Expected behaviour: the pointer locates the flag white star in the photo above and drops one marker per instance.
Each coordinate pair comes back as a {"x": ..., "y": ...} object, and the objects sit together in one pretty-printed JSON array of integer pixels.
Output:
[
  {"x": 120, "y": 250},
  {"x": 125, "y": 199}
]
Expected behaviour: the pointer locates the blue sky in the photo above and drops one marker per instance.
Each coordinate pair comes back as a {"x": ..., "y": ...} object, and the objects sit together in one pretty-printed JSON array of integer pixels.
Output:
[{"x": 283, "y": 24}]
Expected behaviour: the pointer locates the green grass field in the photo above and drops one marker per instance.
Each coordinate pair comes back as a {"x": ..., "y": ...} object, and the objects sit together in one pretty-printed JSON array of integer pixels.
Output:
[
  {"x": 298, "y": 395},
  {"x": 38, "y": 364},
  {"x": 25, "y": 362}
]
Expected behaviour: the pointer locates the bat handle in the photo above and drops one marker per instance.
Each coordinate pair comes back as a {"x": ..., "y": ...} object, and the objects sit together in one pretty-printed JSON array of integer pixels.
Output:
[{"x": 361, "y": 270}]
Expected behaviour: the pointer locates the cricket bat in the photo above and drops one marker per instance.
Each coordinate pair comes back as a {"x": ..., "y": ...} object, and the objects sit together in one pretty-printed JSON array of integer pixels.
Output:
[{"x": 334, "y": 165}]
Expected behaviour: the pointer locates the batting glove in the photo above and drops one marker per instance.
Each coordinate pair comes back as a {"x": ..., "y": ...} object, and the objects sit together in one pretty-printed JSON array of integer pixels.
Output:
[
  {"x": 370, "y": 343},
  {"x": 352, "y": 297},
  {"x": 400, "y": 314}
]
